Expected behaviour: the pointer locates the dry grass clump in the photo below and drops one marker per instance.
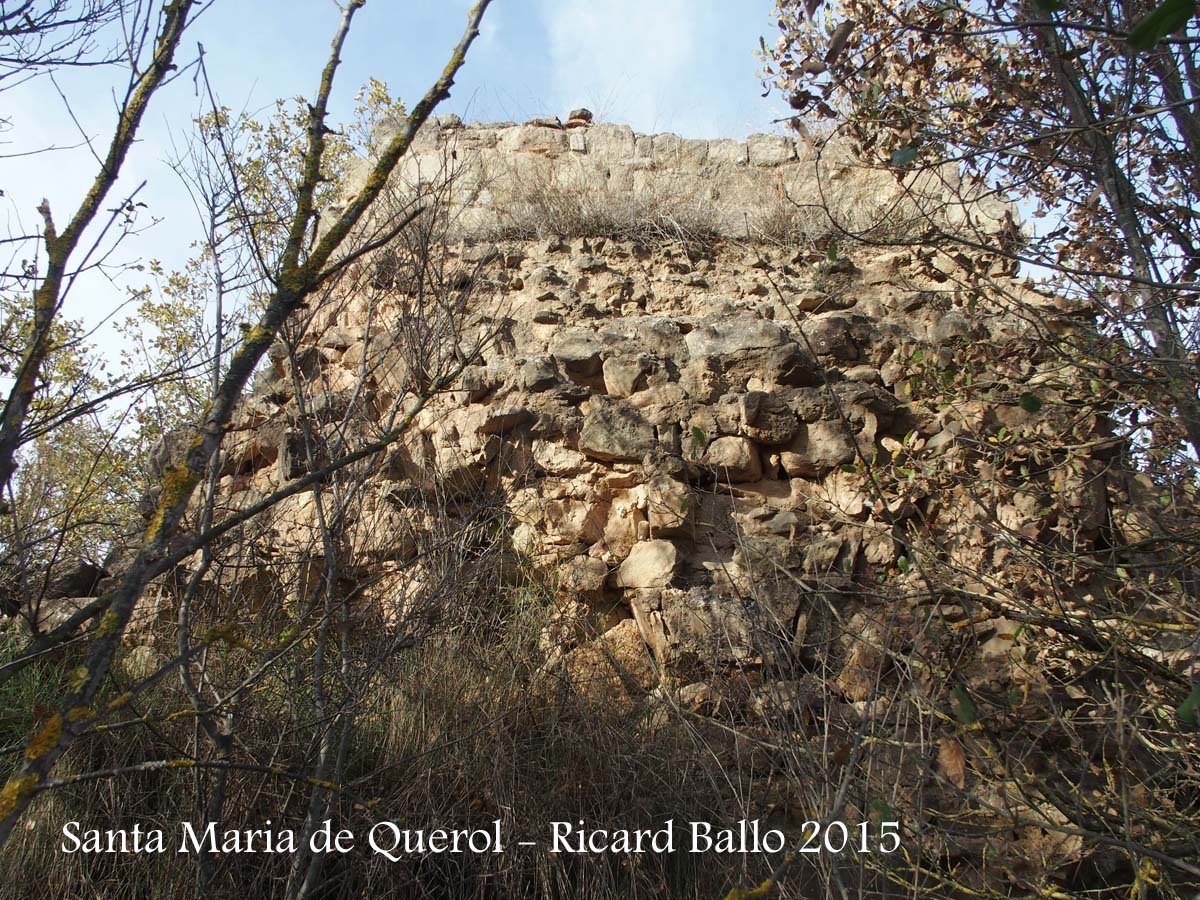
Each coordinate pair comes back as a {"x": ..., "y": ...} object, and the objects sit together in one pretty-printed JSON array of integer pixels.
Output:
[
  {"x": 538, "y": 207},
  {"x": 848, "y": 216}
]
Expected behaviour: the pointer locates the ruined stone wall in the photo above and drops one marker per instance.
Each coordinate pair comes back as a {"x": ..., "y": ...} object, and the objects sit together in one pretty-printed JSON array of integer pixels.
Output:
[
  {"x": 816, "y": 487},
  {"x": 694, "y": 450},
  {"x": 741, "y": 188}
]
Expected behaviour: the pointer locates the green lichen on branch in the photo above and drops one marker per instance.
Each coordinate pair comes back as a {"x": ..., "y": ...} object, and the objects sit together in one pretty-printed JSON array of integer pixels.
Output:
[
  {"x": 77, "y": 678},
  {"x": 45, "y": 739},
  {"x": 259, "y": 335},
  {"x": 14, "y": 794},
  {"x": 108, "y": 624},
  {"x": 177, "y": 485},
  {"x": 226, "y": 633}
]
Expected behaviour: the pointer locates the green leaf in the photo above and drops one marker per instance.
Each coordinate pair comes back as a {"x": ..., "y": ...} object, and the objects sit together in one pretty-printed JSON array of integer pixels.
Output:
[
  {"x": 1189, "y": 709},
  {"x": 699, "y": 440},
  {"x": 904, "y": 156},
  {"x": 964, "y": 707},
  {"x": 1031, "y": 403},
  {"x": 902, "y": 564},
  {"x": 1157, "y": 24}
]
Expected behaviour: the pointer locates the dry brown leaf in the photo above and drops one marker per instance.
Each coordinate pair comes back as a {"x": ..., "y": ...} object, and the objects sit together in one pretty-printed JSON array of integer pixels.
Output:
[
  {"x": 841, "y": 755},
  {"x": 837, "y": 40},
  {"x": 953, "y": 762}
]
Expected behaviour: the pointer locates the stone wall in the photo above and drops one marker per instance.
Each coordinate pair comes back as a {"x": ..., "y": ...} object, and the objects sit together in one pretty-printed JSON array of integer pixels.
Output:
[
  {"x": 740, "y": 188},
  {"x": 815, "y": 489},
  {"x": 680, "y": 442}
]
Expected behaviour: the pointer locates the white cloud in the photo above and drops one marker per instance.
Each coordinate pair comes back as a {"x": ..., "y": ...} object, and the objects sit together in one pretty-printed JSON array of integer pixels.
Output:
[{"x": 627, "y": 60}]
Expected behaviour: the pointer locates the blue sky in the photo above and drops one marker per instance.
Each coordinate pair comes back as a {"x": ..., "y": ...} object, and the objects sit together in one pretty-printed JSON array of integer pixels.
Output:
[
  {"x": 687, "y": 66},
  {"x": 675, "y": 65}
]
